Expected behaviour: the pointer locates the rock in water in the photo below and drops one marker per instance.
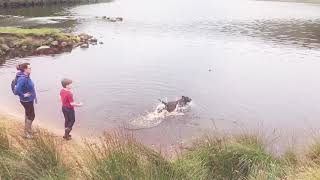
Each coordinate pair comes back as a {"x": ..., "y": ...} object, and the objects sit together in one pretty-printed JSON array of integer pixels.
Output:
[
  {"x": 85, "y": 45},
  {"x": 84, "y": 37},
  {"x": 93, "y": 40},
  {"x": 42, "y": 48},
  {"x": 54, "y": 43},
  {"x": 5, "y": 47},
  {"x": 50, "y": 39},
  {"x": 2, "y": 52},
  {"x": 64, "y": 44},
  {"x": 119, "y": 19},
  {"x": 11, "y": 44}
]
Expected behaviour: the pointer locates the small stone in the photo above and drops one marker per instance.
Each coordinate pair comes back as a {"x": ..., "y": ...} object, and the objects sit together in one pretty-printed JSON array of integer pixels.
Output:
[
  {"x": 101, "y": 42},
  {"x": 104, "y": 17},
  {"x": 209, "y": 70},
  {"x": 119, "y": 19},
  {"x": 76, "y": 45},
  {"x": 54, "y": 43},
  {"x": 50, "y": 39},
  {"x": 93, "y": 40},
  {"x": 64, "y": 44},
  {"x": 85, "y": 45},
  {"x": 84, "y": 37},
  {"x": 11, "y": 44},
  {"x": 43, "y": 48},
  {"x": 112, "y": 20},
  {"x": 2, "y": 53},
  {"x": 5, "y": 47}
]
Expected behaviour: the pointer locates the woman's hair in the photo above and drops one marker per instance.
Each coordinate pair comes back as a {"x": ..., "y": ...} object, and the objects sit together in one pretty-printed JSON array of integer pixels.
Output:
[
  {"x": 22, "y": 67},
  {"x": 65, "y": 82}
]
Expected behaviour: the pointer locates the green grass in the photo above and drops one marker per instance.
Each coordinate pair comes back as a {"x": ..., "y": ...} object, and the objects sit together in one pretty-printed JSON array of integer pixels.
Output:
[
  {"x": 7, "y": 156},
  {"x": 313, "y": 154},
  {"x": 119, "y": 157},
  {"x": 38, "y": 32},
  {"x": 34, "y": 32},
  {"x": 238, "y": 158},
  {"x": 42, "y": 157},
  {"x": 124, "y": 159},
  {"x": 306, "y": 173},
  {"x": 38, "y": 158}
]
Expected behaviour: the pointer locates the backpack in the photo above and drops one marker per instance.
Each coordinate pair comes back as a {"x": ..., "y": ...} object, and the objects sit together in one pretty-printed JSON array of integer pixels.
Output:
[{"x": 13, "y": 85}]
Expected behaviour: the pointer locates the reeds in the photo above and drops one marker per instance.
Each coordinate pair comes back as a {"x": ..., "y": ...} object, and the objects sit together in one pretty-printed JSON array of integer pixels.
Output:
[{"x": 121, "y": 157}]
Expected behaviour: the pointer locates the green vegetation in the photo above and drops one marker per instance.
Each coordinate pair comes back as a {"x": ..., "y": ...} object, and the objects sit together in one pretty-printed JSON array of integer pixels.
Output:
[
  {"x": 241, "y": 157},
  {"x": 314, "y": 153},
  {"x": 120, "y": 157},
  {"x": 36, "y": 32},
  {"x": 20, "y": 42},
  {"x": 29, "y": 160},
  {"x": 124, "y": 158}
]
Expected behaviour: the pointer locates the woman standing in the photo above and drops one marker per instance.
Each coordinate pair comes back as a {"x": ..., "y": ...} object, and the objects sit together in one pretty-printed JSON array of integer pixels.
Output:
[{"x": 27, "y": 94}]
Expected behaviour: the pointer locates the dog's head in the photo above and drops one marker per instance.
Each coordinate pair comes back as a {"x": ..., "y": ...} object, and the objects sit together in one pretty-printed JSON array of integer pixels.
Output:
[{"x": 186, "y": 99}]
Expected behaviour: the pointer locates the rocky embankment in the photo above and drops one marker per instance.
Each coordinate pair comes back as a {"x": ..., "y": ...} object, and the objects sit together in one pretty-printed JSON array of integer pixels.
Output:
[
  {"x": 28, "y": 3},
  {"x": 17, "y": 42}
]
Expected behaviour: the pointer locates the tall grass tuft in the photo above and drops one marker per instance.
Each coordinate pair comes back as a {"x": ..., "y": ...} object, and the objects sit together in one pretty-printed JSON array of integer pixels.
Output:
[
  {"x": 241, "y": 157},
  {"x": 307, "y": 172},
  {"x": 313, "y": 154},
  {"x": 121, "y": 157},
  {"x": 41, "y": 158},
  {"x": 290, "y": 157},
  {"x": 7, "y": 155}
]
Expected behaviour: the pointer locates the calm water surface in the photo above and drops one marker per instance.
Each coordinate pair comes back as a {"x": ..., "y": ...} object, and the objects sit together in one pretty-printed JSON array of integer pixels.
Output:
[{"x": 264, "y": 57}]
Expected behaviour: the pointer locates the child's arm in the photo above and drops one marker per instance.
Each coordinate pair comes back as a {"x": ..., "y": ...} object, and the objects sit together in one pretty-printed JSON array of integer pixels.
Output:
[{"x": 74, "y": 104}]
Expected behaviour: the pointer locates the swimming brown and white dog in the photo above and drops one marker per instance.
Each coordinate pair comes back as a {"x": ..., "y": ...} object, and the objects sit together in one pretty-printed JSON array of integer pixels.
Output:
[{"x": 172, "y": 105}]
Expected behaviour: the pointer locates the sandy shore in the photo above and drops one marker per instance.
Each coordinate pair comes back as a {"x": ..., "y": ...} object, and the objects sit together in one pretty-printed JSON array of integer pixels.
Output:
[{"x": 14, "y": 122}]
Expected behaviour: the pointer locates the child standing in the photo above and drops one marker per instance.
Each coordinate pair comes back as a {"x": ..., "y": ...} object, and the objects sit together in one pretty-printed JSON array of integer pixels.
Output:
[{"x": 68, "y": 105}]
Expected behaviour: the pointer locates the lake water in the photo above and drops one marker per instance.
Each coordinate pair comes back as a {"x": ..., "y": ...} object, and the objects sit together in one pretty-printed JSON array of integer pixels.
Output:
[{"x": 264, "y": 57}]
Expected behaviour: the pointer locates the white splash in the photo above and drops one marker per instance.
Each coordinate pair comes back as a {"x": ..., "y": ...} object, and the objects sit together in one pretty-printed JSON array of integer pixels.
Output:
[{"x": 153, "y": 119}]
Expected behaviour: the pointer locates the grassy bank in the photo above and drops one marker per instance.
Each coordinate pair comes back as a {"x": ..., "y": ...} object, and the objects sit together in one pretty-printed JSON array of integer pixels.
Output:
[
  {"x": 19, "y": 42},
  {"x": 118, "y": 156}
]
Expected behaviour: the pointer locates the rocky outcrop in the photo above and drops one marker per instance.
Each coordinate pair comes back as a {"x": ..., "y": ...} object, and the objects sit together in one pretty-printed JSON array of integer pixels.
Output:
[
  {"x": 27, "y": 3},
  {"x": 21, "y": 45}
]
